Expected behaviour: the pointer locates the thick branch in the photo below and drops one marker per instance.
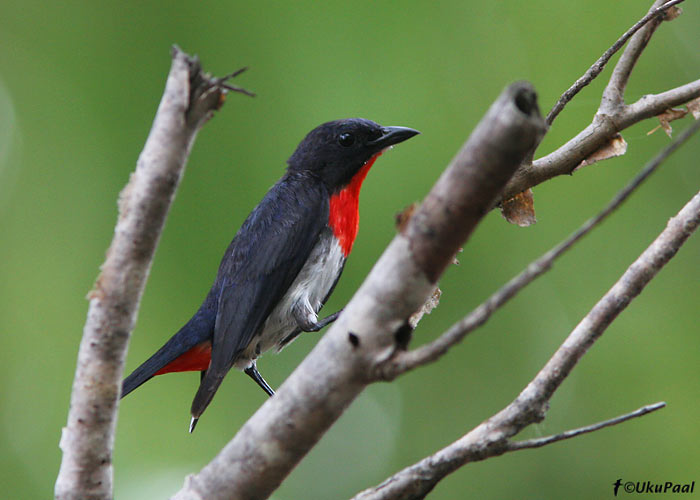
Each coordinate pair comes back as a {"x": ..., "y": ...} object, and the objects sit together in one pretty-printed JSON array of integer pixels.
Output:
[
  {"x": 440, "y": 226},
  {"x": 491, "y": 437},
  {"x": 87, "y": 441},
  {"x": 371, "y": 326},
  {"x": 404, "y": 361}
]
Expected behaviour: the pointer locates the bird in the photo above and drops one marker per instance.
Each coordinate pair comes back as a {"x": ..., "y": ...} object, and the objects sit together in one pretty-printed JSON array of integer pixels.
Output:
[{"x": 282, "y": 265}]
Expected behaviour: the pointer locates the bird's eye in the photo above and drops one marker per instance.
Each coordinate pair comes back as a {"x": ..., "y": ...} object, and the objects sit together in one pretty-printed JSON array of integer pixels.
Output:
[{"x": 346, "y": 139}]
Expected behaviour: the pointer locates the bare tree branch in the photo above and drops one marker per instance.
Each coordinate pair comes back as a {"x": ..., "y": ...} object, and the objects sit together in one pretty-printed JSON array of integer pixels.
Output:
[
  {"x": 604, "y": 127},
  {"x": 612, "y": 117},
  {"x": 565, "y": 159},
  {"x": 393, "y": 489},
  {"x": 614, "y": 93},
  {"x": 599, "y": 65},
  {"x": 654, "y": 104},
  {"x": 190, "y": 98},
  {"x": 539, "y": 442},
  {"x": 374, "y": 324},
  {"x": 404, "y": 361},
  {"x": 491, "y": 437}
]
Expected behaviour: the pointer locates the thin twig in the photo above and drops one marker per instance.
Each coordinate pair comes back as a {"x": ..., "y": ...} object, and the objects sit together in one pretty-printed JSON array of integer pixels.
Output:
[
  {"x": 539, "y": 442},
  {"x": 600, "y": 64},
  {"x": 613, "y": 95},
  {"x": 404, "y": 361},
  {"x": 221, "y": 82}
]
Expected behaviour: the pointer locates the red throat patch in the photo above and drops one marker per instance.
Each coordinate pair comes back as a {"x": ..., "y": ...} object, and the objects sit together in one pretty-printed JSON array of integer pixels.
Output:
[
  {"x": 344, "y": 216},
  {"x": 196, "y": 359}
]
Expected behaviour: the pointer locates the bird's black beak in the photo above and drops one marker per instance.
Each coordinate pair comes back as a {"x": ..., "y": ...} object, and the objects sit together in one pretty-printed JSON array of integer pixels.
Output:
[{"x": 391, "y": 136}]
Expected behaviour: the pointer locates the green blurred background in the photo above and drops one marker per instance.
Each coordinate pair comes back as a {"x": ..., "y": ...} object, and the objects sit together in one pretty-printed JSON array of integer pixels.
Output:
[{"x": 79, "y": 85}]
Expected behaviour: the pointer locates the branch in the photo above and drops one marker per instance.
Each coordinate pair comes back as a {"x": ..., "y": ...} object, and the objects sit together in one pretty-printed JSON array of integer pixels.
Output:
[
  {"x": 598, "y": 66},
  {"x": 373, "y": 324},
  {"x": 539, "y": 442},
  {"x": 491, "y": 437},
  {"x": 654, "y": 104},
  {"x": 415, "y": 481},
  {"x": 614, "y": 93},
  {"x": 565, "y": 159},
  {"x": 612, "y": 117},
  {"x": 404, "y": 361},
  {"x": 190, "y": 98}
]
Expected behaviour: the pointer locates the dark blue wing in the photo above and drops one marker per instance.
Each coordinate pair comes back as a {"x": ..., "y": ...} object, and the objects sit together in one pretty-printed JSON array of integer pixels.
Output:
[{"x": 259, "y": 266}]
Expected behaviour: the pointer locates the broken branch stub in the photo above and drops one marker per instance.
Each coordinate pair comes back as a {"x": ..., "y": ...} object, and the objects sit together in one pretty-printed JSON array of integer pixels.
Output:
[{"x": 475, "y": 178}]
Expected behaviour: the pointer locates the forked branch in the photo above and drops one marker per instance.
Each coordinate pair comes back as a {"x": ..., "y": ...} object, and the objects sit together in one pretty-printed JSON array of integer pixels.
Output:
[
  {"x": 613, "y": 115},
  {"x": 655, "y": 15}
]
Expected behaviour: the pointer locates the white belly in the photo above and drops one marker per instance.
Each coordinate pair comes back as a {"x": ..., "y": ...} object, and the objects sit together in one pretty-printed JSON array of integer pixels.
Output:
[{"x": 308, "y": 291}]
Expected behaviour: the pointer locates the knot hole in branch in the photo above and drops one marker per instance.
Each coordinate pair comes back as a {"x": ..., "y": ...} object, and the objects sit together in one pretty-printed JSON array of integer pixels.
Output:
[
  {"x": 403, "y": 335},
  {"x": 526, "y": 100}
]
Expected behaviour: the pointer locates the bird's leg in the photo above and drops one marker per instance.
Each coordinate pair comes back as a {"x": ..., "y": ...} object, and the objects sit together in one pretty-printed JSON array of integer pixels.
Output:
[
  {"x": 308, "y": 321},
  {"x": 325, "y": 322},
  {"x": 252, "y": 372}
]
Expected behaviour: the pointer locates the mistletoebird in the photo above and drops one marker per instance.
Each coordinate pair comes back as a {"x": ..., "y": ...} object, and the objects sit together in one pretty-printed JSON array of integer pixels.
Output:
[{"x": 283, "y": 263}]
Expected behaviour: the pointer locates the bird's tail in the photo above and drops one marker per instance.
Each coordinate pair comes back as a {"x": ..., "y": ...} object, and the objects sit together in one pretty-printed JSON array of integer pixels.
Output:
[
  {"x": 207, "y": 388},
  {"x": 197, "y": 332}
]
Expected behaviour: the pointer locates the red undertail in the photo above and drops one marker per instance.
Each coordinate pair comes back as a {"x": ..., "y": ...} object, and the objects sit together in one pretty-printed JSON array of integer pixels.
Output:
[{"x": 196, "y": 359}]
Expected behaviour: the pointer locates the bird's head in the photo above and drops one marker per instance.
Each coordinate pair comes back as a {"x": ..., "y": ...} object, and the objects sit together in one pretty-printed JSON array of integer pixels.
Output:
[{"x": 337, "y": 150}]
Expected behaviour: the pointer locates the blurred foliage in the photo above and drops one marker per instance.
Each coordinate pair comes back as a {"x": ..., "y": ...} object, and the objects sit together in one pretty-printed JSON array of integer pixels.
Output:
[{"x": 79, "y": 84}]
